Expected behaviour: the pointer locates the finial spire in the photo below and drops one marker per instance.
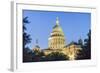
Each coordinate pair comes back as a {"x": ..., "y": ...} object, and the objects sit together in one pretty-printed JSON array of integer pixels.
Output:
[
  {"x": 37, "y": 46},
  {"x": 36, "y": 41},
  {"x": 57, "y": 21}
]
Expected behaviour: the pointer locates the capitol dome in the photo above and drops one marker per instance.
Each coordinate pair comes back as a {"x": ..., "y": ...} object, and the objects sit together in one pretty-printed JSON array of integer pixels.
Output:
[{"x": 57, "y": 39}]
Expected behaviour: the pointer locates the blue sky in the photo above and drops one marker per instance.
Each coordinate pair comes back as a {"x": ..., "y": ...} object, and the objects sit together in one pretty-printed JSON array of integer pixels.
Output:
[{"x": 75, "y": 25}]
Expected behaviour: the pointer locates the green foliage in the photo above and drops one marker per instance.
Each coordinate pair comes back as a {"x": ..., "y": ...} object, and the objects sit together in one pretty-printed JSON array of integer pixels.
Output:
[
  {"x": 85, "y": 53},
  {"x": 38, "y": 56},
  {"x": 27, "y": 54},
  {"x": 87, "y": 46},
  {"x": 80, "y": 42},
  {"x": 26, "y": 36},
  {"x": 56, "y": 56},
  {"x": 37, "y": 53}
]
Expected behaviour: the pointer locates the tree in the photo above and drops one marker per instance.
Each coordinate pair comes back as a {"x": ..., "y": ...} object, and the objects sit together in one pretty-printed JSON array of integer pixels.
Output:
[
  {"x": 56, "y": 56},
  {"x": 85, "y": 53},
  {"x": 37, "y": 56},
  {"x": 26, "y": 36},
  {"x": 26, "y": 40},
  {"x": 80, "y": 42},
  {"x": 87, "y": 46}
]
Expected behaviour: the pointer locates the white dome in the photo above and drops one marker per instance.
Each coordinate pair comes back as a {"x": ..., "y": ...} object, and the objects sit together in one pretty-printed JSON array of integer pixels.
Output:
[
  {"x": 57, "y": 30},
  {"x": 57, "y": 39}
]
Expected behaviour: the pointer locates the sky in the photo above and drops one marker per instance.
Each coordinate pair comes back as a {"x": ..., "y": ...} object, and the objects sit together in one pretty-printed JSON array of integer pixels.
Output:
[{"x": 75, "y": 25}]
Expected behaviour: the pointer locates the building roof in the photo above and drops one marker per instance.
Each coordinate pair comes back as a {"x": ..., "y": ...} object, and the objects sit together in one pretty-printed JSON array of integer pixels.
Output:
[
  {"x": 73, "y": 43},
  {"x": 37, "y": 46}
]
